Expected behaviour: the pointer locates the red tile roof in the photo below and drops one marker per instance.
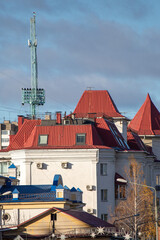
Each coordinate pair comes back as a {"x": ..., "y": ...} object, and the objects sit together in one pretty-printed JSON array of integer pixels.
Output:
[
  {"x": 147, "y": 119},
  {"x": 96, "y": 101}
]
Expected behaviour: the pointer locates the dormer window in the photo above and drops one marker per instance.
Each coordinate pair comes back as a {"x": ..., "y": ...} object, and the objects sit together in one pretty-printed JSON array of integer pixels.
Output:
[
  {"x": 80, "y": 138},
  {"x": 43, "y": 140}
]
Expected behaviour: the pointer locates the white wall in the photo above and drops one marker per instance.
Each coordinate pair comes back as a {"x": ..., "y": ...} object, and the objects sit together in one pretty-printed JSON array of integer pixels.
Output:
[
  {"x": 20, "y": 215},
  {"x": 106, "y": 182},
  {"x": 121, "y": 125},
  {"x": 83, "y": 170}
]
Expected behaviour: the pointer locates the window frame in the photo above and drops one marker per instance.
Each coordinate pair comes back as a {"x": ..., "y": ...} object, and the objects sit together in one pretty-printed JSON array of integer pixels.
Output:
[
  {"x": 39, "y": 138},
  {"x": 104, "y": 217},
  {"x": 158, "y": 180},
  {"x": 102, "y": 172},
  {"x": 81, "y": 135},
  {"x": 120, "y": 192},
  {"x": 104, "y": 195},
  {"x": 2, "y": 168}
]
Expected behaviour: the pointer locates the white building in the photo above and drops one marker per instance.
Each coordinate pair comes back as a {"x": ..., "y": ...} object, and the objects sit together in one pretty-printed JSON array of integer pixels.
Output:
[{"x": 86, "y": 148}]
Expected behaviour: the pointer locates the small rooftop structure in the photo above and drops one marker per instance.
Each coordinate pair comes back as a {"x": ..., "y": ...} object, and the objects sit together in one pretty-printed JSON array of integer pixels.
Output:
[
  {"x": 147, "y": 119},
  {"x": 98, "y": 102}
]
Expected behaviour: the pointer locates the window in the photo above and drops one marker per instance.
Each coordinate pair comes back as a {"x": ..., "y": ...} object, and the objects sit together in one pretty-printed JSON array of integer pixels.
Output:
[
  {"x": 158, "y": 180},
  {"x": 80, "y": 138},
  {"x": 5, "y": 132},
  {"x": 59, "y": 194},
  {"x": 131, "y": 170},
  {"x": 104, "y": 217},
  {"x": 103, "y": 169},
  {"x": 73, "y": 197},
  {"x": 5, "y": 140},
  {"x": 18, "y": 173},
  {"x": 43, "y": 140},
  {"x": 120, "y": 192},
  {"x": 4, "y": 168},
  {"x": 104, "y": 195}
]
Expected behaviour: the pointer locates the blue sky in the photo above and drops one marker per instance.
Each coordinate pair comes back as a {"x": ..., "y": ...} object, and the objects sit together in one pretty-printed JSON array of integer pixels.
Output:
[{"x": 103, "y": 44}]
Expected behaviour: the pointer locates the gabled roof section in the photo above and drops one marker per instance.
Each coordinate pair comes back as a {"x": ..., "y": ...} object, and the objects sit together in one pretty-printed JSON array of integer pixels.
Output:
[
  {"x": 87, "y": 218},
  {"x": 98, "y": 102},
  {"x": 82, "y": 216},
  {"x": 147, "y": 119},
  {"x": 23, "y": 134}
]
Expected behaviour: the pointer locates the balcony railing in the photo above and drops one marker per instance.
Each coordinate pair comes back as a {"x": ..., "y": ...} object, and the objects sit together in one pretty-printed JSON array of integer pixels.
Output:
[{"x": 31, "y": 196}]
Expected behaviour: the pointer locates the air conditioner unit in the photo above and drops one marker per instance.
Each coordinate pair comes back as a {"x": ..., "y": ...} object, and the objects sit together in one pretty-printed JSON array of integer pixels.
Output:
[
  {"x": 89, "y": 187},
  {"x": 6, "y": 217},
  {"x": 39, "y": 165},
  {"x": 64, "y": 165},
  {"x": 90, "y": 210}
]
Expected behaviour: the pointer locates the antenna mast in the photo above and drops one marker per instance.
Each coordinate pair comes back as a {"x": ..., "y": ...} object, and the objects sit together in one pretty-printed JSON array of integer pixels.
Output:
[{"x": 34, "y": 95}]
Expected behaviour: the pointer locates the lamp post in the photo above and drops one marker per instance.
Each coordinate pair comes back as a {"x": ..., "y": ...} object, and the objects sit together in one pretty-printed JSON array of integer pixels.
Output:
[{"x": 143, "y": 185}]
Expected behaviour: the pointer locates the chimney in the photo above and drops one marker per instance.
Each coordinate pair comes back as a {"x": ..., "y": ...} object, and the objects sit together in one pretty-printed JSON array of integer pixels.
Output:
[
  {"x": 58, "y": 118},
  {"x": 20, "y": 121},
  {"x": 48, "y": 116}
]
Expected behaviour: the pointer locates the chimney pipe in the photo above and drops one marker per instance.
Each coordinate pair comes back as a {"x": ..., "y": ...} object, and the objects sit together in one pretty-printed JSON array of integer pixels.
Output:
[{"x": 58, "y": 118}]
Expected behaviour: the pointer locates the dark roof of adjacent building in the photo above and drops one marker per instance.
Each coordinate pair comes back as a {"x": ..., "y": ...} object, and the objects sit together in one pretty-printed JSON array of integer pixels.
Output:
[
  {"x": 80, "y": 215},
  {"x": 87, "y": 218}
]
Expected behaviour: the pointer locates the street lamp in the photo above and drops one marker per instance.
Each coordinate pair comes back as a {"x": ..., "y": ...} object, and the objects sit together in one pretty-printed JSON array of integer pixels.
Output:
[{"x": 143, "y": 185}]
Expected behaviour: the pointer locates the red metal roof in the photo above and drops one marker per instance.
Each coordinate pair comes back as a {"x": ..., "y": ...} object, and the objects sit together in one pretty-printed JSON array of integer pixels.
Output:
[
  {"x": 135, "y": 142},
  {"x": 100, "y": 134},
  {"x": 147, "y": 119},
  {"x": 18, "y": 141},
  {"x": 63, "y": 135},
  {"x": 96, "y": 101},
  {"x": 109, "y": 134}
]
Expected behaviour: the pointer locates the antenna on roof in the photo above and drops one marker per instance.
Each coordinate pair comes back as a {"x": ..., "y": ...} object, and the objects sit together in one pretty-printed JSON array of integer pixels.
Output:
[
  {"x": 34, "y": 95},
  {"x": 90, "y": 88}
]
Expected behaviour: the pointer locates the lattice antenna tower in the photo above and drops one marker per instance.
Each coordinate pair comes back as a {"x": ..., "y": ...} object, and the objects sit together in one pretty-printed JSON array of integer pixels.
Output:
[{"x": 34, "y": 96}]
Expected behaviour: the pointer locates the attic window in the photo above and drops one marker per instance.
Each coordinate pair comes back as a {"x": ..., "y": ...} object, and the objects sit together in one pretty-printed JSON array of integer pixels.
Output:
[
  {"x": 43, "y": 140},
  {"x": 80, "y": 138}
]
